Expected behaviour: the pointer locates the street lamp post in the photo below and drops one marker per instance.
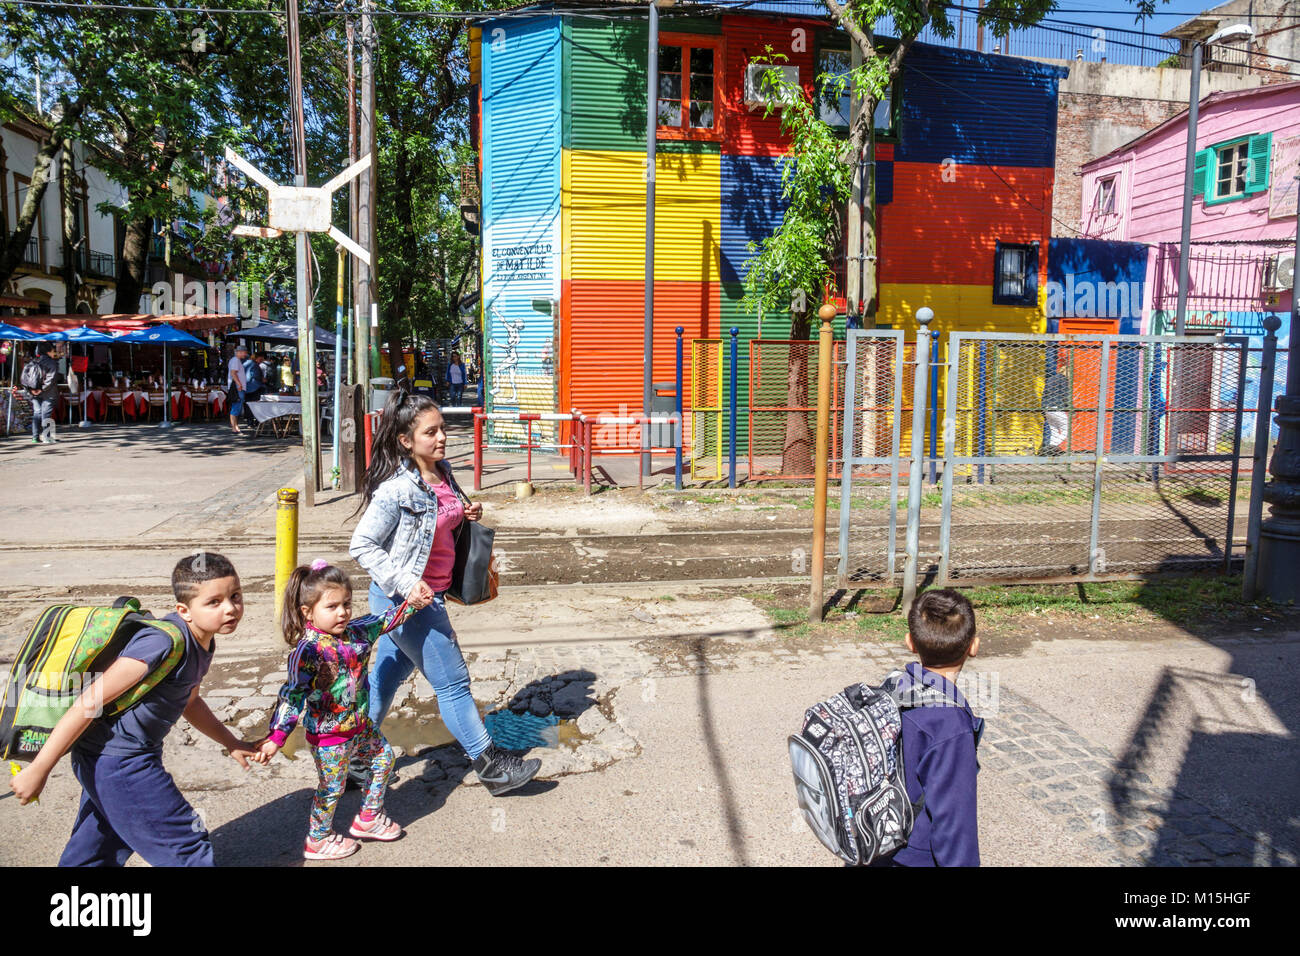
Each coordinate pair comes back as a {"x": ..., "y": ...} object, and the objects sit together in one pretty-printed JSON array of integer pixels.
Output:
[{"x": 1189, "y": 172}]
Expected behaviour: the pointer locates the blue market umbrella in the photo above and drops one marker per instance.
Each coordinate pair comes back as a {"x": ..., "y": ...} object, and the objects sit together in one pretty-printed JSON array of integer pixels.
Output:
[
  {"x": 80, "y": 334},
  {"x": 164, "y": 335}
]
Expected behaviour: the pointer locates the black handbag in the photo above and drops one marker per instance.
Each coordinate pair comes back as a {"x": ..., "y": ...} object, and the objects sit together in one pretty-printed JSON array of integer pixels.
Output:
[{"x": 474, "y": 576}]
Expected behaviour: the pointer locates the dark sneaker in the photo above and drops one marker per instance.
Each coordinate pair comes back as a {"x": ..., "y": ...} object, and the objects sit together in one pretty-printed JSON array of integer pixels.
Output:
[{"x": 502, "y": 772}]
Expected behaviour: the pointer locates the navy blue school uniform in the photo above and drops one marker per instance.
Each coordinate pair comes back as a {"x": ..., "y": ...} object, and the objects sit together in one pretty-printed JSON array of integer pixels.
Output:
[
  {"x": 129, "y": 803},
  {"x": 939, "y": 763}
]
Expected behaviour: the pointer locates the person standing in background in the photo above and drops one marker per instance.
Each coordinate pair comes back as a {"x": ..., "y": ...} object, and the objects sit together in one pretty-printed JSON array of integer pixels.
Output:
[{"x": 456, "y": 378}]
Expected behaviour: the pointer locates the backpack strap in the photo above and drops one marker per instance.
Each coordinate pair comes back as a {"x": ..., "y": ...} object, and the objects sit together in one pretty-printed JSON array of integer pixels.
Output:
[{"x": 158, "y": 674}]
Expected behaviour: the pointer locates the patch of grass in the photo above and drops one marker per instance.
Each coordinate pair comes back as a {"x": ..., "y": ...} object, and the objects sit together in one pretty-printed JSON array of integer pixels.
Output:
[
  {"x": 667, "y": 597},
  {"x": 1204, "y": 604}
]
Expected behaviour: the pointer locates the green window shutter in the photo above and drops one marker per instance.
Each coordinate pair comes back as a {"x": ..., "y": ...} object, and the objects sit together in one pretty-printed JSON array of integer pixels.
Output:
[
  {"x": 1259, "y": 152},
  {"x": 1201, "y": 172}
]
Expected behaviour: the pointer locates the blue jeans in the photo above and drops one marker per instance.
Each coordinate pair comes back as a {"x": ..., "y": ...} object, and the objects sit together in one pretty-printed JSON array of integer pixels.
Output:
[
  {"x": 42, "y": 411},
  {"x": 426, "y": 640}
]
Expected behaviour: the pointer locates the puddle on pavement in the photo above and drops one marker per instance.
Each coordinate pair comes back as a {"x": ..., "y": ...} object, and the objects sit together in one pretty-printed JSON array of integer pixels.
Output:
[{"x": 426, "y": 729}]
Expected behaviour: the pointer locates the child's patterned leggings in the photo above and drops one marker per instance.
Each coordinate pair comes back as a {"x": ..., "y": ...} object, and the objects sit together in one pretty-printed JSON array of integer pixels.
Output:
[{"x": 332, "y": 772}]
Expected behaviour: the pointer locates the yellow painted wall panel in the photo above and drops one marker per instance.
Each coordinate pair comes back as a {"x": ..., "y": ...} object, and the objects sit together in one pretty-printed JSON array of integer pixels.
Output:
[
  {"x": 603, "y": 196},
  {"x": 1017, "y": 380}
]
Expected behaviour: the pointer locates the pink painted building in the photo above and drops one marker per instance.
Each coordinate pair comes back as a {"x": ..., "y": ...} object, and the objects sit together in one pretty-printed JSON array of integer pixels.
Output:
[{"x": 1243, "y": 213}]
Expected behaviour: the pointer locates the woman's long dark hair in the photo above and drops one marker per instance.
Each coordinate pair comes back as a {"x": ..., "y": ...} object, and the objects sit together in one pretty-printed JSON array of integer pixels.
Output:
[{"x": 386, "y": 452}]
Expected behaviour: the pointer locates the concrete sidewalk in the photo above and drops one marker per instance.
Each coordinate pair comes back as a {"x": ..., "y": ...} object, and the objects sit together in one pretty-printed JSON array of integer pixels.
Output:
[{"x": 1098, "y": 752}]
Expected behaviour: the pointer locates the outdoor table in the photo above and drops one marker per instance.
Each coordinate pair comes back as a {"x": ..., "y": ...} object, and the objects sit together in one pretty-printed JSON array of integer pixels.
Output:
[
  {"x": 136, "y": 402},
  {"x": 268, "y": 408},
  {"x": 94, "y": 404},
  {"x": 182, "y": 405}
]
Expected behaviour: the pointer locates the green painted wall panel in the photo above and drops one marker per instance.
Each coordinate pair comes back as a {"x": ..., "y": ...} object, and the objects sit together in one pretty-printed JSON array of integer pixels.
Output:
[{"x": 605, "y": 81}]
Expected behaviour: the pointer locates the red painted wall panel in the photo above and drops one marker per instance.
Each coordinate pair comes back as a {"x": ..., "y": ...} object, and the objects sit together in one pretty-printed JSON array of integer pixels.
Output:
[
  {"x": 603, "y": 332},
  {"x": 748, "y": 133},
  {"x": 942, "y": 229}
]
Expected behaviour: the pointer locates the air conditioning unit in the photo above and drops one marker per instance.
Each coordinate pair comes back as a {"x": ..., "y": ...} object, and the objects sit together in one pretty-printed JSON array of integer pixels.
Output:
[
  {"x": 1279, "y": 272},
  {"x": 758, "y": 91}
]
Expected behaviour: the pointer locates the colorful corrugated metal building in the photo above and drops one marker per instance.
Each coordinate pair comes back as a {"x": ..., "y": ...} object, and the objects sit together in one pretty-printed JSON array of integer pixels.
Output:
[{"x": 965, "y": 156}]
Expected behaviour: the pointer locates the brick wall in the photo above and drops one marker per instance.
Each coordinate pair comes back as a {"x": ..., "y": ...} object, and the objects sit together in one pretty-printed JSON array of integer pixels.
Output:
[{"x": 1089, "y": 125}]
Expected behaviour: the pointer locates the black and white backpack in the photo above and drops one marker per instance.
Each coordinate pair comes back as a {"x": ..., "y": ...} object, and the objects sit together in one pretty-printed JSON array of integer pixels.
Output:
[{"x": 848, "y": 768}]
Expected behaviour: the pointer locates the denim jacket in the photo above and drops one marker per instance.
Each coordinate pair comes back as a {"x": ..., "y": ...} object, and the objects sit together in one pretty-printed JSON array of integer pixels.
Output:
[{"x": 393, "y": 538}]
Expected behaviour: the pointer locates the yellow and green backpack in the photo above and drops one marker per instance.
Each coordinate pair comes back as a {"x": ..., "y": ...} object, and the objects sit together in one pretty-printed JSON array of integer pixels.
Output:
[{"x": 65, "y": 646}]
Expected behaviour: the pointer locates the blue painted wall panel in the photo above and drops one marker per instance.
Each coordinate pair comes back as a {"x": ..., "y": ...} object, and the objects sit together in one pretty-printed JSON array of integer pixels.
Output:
[
  {"x": 751, "y": 208},
  {"x": 521, "y": 212},
  {"x": 977, "y": 108}
]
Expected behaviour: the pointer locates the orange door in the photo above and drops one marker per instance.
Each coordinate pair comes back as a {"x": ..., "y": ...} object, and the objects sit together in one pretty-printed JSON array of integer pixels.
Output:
[{"x": 1082, "y": 363}]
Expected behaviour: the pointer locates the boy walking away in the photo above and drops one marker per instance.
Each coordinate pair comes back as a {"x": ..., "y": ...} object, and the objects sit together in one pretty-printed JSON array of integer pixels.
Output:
[
  {"x": 129, "y": 802},
  {"x": 41, "y": 379},
  {"x": 939, "y": 742}
]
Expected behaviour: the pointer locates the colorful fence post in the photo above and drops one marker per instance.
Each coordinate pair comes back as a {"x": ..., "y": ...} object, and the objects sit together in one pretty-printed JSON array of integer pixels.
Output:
[
  {"x": 680, "y": 422},
  {"x": 934, "y": 405},
  {"x": 731, "y": 437},
  {"x": 586, "y": 455},
  {"x": 478, "y": 449},
  {"x": 979, "y": 414}
]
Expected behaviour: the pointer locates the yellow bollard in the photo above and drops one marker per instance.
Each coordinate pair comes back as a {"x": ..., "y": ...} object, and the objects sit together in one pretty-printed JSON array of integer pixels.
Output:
[{"x": 286, "y": 542}]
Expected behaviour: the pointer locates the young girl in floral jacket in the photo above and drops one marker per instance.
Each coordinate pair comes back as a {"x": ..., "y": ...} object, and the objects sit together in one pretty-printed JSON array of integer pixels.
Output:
[{"x": 329, "y": 686}]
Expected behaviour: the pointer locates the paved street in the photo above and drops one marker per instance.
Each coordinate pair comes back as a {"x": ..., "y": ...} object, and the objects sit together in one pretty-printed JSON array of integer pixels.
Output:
[{"x": 1115, "y": 745}]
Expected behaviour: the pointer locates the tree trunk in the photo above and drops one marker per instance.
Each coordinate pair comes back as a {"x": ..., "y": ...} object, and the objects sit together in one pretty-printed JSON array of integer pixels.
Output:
[
  {"x": 131, "y": 267},
  {"x": 11, "y": 255},
  {"x": 797, "y": 449},
  {"x": 27, "y": 216},
  {"x": 71, "y": 234}
]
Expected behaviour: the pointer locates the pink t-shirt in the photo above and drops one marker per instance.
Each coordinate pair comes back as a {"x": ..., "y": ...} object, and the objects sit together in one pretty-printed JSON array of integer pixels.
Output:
[{"x": 442, "y": 556}]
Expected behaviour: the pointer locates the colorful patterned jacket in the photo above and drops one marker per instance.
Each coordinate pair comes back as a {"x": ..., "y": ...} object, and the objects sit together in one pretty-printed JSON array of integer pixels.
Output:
[{"x": 328, "y": 682}]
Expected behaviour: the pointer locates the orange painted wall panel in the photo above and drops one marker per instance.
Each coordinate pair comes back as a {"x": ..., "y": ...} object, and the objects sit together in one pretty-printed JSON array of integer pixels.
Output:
[
  {"x": 943, "y": 232},
  {"x": 603, "y": 330}
]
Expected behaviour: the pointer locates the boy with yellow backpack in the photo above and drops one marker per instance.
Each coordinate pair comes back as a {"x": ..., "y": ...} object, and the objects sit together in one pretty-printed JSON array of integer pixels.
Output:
[{"x": 115, "y": 728}]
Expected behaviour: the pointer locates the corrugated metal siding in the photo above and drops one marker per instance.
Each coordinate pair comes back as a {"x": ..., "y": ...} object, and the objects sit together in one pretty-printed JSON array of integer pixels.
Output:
[
  {"x": 966, "y": 308},
  {"x": 604, "y": 323},
  {"x": 944, "y": 232},
  {"x": 751, "y": 208},
  {"x": 977, "y": 108},
  {"x": 604, "y": 204},
  {"x": 746, "y": 132},
  {"x": 607, "y": 84},
  {"x": 521, "y": 210},
  {"x": 1098, "y": 261}
]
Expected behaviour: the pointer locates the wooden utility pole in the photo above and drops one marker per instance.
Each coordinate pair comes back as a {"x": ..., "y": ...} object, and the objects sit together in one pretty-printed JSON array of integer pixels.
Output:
[
  {"x": 368, "y": 287},
  {"x": 351, "y": 313},
  {"x": 306, "y": 327}
]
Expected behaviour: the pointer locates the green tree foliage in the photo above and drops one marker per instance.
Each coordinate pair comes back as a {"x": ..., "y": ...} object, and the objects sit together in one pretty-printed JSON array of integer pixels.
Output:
[{"x": 158, "y": 91}]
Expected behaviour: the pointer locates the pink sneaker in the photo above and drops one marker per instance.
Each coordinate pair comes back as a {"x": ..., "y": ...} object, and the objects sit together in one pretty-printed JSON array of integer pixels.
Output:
[
  {"x": 334, "y": 847},
  {"x": 379, "y": 828}
]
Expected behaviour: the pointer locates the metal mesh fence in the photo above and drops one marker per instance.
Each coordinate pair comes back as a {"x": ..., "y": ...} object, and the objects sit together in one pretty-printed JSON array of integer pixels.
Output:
[
  {"x": 708, "y": 388},
  {"x": 877, "y": 367},
  {"x": 782, "y": 416},
  {"x": 1070, "y": 457}
]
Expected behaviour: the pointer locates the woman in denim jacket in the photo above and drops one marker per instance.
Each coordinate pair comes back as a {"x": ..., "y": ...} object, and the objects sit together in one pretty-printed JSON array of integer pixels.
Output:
[{"x": 405, "y": 542}]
